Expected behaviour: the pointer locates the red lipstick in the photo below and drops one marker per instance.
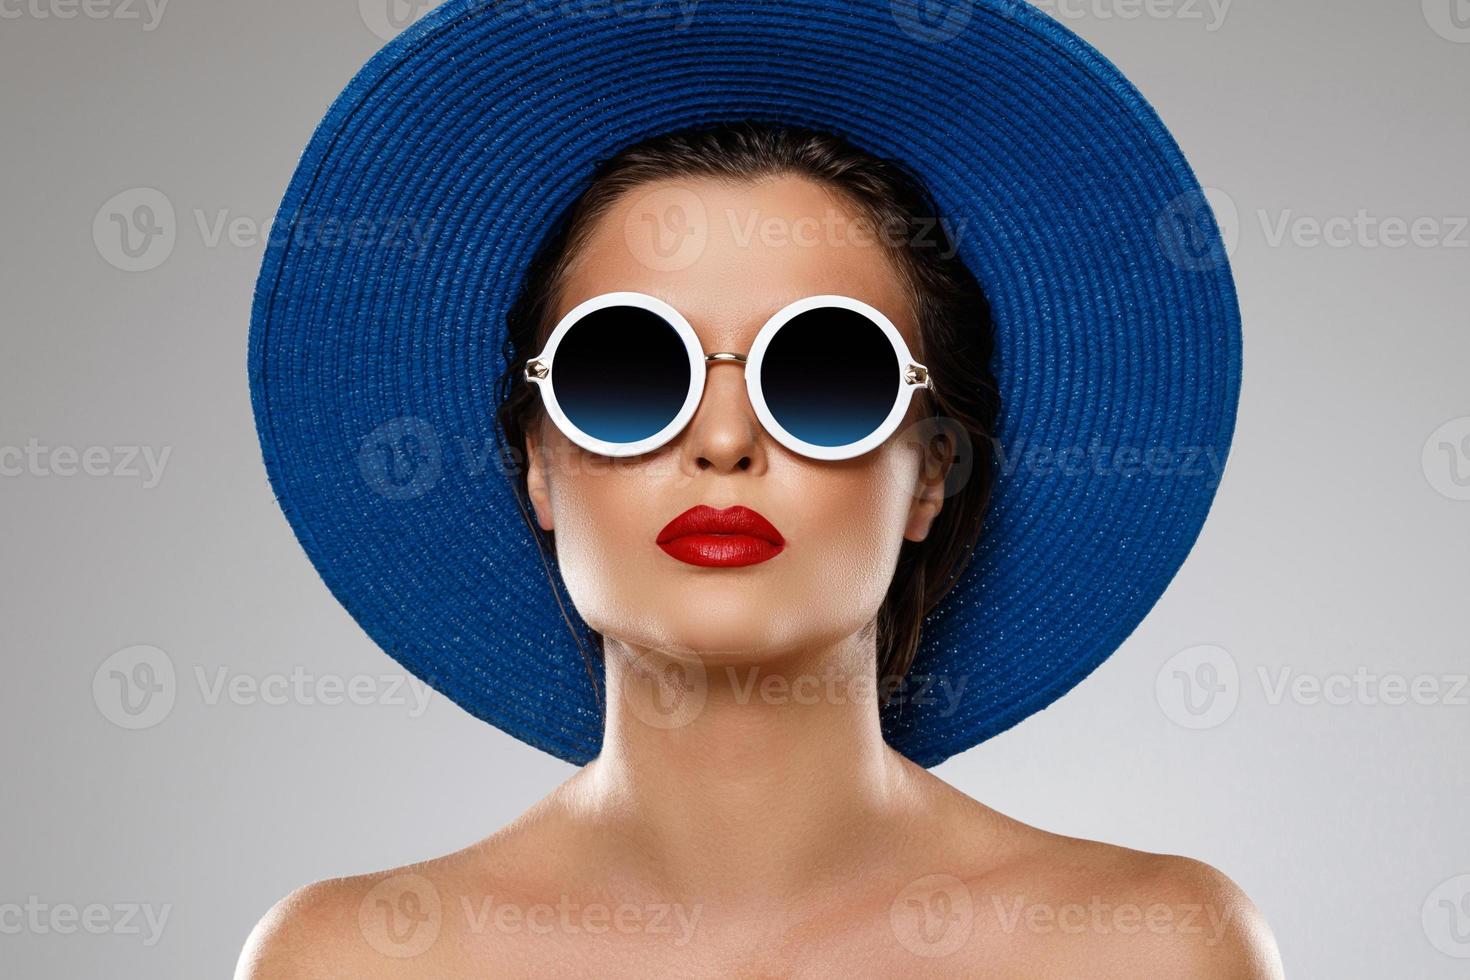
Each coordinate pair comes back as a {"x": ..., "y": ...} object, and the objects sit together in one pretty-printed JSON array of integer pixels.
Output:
[{"x": 721, "y": 538}]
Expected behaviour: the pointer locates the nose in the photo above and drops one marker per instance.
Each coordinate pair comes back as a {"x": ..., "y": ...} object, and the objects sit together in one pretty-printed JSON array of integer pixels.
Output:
[{"x": 724, "y": 434}]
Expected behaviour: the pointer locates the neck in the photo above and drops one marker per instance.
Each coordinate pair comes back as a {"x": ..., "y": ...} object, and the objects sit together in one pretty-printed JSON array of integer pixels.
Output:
[{"x": 746, "y": 780}]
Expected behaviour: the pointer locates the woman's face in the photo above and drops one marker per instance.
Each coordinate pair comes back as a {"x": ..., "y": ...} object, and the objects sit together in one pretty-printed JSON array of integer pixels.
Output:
[{"x": 757, "y": 248}]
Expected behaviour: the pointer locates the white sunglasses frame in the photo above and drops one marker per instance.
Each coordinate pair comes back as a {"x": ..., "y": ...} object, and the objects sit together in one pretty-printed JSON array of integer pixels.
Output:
[{"x": 911, "y": 375}]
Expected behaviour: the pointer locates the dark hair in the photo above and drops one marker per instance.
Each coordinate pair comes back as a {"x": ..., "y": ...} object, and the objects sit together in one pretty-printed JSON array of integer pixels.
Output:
[{"x": 956, "y": 335}]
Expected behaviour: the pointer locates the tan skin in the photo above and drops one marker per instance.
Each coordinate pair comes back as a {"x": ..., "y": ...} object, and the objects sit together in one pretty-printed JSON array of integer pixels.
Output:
[{"x": 756, "y": 835}]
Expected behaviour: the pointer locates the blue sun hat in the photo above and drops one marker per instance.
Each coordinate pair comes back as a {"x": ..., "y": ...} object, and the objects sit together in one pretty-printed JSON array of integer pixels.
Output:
[{"x": 379, "y": 321}]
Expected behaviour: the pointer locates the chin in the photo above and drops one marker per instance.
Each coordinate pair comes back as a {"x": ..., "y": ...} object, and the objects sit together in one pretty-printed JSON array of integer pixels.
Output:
[
  {"x": 729, "y": 634},
  {"x": 714, "y": 636}
]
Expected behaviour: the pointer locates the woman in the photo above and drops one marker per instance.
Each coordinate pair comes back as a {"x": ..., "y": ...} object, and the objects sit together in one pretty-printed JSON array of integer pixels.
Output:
[{"x": 754, "y": 547}]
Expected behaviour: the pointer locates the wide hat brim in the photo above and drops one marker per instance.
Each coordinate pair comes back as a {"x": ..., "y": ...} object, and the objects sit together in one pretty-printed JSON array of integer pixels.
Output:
[{"x": 379, "y": 320}]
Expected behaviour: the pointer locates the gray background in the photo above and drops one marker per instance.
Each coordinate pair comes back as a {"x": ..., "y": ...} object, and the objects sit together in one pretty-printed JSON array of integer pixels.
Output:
[{"x": 1338, "y": 541}]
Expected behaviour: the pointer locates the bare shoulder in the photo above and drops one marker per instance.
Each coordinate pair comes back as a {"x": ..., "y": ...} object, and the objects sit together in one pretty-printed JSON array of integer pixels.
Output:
[
  {"x": 309, "y": 933},
  {"x": 1115, "y": 911},
  {"x": 1141, "y": 913},
  {"x": 1053, "y": 905},
  {"x": 414, "y": 920}
]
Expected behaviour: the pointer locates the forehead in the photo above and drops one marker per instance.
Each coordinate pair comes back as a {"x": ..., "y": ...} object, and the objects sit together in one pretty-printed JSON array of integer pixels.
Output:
[{"x": 729, "y": 255}]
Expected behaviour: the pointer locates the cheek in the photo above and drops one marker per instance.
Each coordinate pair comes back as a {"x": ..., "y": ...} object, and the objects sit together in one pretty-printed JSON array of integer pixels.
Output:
[
  {"x": 605, "y": 529},
  {"x": 854, "y": 521}
]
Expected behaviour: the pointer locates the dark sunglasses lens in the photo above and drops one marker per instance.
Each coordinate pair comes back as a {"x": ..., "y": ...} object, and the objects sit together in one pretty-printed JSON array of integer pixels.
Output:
[
  {"x": 621, "y": 374},
  {"x": 830, "y": 376}
]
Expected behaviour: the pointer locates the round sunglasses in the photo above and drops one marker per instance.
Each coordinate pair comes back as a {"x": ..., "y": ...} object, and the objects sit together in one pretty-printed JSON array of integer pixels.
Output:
[{"x": 829, "y": 377}]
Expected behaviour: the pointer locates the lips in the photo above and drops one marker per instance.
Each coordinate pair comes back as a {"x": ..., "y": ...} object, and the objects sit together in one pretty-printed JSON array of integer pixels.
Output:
[{"x": 725, "y": 538}]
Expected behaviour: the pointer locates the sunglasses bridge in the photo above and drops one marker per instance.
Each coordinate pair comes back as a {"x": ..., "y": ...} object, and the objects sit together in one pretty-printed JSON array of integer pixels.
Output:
[{"x": 914, "y": 374}]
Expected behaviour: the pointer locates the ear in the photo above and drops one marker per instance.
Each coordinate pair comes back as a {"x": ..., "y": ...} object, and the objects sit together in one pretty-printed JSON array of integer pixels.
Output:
[
  {"x": 936, "y": 458},
  {"x": 537, "y": 485}
]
